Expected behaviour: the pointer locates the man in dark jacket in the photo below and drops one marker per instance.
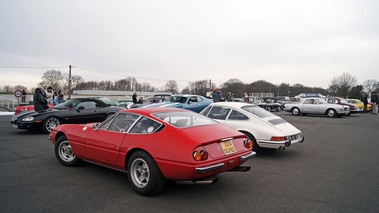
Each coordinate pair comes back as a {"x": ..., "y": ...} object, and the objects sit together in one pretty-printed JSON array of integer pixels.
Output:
[{"x": 40, "y": 102}]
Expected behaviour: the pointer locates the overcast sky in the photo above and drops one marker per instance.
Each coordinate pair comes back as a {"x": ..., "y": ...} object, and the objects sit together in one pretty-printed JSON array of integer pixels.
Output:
[{"x": 279, "y": 41}]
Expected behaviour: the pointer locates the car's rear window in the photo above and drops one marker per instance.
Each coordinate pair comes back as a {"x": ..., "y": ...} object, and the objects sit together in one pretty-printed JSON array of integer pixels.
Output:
[
  {"x": 184, "y": 119},
  {"x": 257, "y": 111}
]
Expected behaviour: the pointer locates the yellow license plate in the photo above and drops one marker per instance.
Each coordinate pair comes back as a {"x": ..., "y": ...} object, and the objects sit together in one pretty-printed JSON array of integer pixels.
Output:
[{"x": 227, "y": 147}]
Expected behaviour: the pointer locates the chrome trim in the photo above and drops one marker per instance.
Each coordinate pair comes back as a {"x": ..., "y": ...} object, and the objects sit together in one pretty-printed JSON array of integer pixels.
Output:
[
  {"x": 226, "y": 139},
  {"x": 209, "y": 168},
  {"x": 248, "y": 156}
]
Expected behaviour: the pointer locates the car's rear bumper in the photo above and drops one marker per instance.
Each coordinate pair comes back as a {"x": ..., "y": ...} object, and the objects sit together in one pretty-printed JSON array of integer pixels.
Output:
[{"x": 292, "y": 139}]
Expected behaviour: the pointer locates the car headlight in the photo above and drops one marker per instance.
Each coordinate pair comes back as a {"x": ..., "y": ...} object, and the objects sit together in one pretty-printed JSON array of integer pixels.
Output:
[{"x": 28, "y": 119}]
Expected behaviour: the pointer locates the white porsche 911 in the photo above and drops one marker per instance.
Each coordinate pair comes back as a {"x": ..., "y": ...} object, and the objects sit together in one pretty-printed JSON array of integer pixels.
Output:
[{"x": 264, "y": 128}]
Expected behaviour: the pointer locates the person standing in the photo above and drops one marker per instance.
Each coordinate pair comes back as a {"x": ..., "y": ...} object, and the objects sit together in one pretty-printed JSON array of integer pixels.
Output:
[
  {"x": 374, "y": 101},
  {"x": 50, "y": 95},
  {"x": 134, "y": 97},
  {"x": 245, "y": 97},
  {"x": 23, "y": 98},
  {"x": 216, "y": 94},
  {"x": 40, "y": 102},
  {"x": 365, "y": 102}
]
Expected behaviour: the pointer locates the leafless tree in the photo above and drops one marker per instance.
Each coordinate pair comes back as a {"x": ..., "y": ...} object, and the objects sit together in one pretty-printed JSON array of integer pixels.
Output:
[{"x": 341, "y": 85}]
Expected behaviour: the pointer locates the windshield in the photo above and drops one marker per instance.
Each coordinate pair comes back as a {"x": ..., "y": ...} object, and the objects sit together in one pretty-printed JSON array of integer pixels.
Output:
[
  {"x": 184, "y": 119},
  {"x": 69, "y": 104},
  {"x": 257, "y": 111},
  {"x": 178, "y": 99},
  {"x": 103, "y": 98}
]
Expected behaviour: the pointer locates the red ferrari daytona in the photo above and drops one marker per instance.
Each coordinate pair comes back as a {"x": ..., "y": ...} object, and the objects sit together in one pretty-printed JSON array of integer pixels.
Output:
[{"x": 155, "y": 145}]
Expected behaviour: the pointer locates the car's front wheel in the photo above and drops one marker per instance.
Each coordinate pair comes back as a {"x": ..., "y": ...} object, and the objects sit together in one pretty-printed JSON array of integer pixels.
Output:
[
  {"x": 295, "y": 111},
  {"x": 144, "y": 174},
  {"x": 331, "y": 113},
  {"x": 50, "y": 123},
  {"x": 64, "y": 153}
]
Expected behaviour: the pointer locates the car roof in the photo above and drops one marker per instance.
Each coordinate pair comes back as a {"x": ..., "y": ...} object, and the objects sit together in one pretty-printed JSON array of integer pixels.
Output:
[
  {"x": 232, "y": 104},
  {"x": 148, "y": 111}
]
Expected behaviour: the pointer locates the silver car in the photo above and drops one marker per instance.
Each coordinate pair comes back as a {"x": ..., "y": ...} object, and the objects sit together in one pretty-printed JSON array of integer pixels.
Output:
[{"x": 317, "y": 106}]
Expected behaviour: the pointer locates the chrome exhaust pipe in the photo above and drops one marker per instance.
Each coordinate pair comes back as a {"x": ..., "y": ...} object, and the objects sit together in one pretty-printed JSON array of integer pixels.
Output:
[
  {"x": 208, "y": 180},
  {"x": 240, "y": 169}
]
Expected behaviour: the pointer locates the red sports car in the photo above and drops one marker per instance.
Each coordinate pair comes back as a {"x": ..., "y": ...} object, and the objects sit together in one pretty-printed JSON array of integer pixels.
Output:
[
  {"x": 155, "y": 145},
  {"x": 27, "y": 108}
]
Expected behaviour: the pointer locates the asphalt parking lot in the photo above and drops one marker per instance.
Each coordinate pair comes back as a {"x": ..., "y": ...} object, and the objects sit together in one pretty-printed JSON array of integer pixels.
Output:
[{"x": 334, "y": 170}]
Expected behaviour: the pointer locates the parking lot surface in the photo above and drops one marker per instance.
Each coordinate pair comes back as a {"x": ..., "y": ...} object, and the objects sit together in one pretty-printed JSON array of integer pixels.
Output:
[{"x": 334, "y": 170}]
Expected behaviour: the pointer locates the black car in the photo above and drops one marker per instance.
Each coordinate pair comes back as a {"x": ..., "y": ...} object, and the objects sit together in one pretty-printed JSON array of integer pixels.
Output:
[
  {"x": 77, "y": 110},
  {"x": 270, "y": 104}
]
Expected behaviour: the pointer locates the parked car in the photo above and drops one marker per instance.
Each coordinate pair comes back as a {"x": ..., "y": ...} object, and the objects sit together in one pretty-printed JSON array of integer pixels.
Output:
[
  {"x": 194, "y": 103},
  {"x": 317, "y": 106},
  {"x": 158, "y": 98},
  {"x": 24, "y": 108},
  {"x": 359, "y": 104},
  {"x": 341, "y": 101},
  {"x": 155, "y": 145},
  {"x": 264, "y": 128},
  {"x": 78, "y": 110},
  {"x": 105, "y": 100},
  {"x": 271, "y": 104}
]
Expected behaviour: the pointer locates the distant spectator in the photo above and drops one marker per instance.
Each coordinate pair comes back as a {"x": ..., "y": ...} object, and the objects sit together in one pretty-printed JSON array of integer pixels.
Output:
[
  {"x": 140, "y": 101},
  {"x": 50, "y": 95},
  {"x": 23, "y": 98},
  {"x": 134, "y": 98},
  {"x": 374, "y": 101},
  {"x": 40, "y": 102},
  {"x": 245, "y": 97},
  {"x": 216, "y": 94},
  {"x": 365, "y": 102},
  {"x": 59, "y": 99}
]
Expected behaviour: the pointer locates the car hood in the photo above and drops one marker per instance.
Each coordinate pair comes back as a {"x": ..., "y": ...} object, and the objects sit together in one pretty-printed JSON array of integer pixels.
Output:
[{"x": 33, "y": 113}]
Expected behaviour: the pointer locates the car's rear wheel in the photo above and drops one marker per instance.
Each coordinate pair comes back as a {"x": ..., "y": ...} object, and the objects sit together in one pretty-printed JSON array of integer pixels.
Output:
[
  {"x": 256, "y": 146},
  {"x": 50, "y": 123},
  {"x": 331, "y": 113},
  {"x": 295, "y": 111},
  {"x": 144, "y": 174},
  {"x": 279, "y": 109},
  {"x": 268, "y": 109},
  {"x": 64, "y": 153}
]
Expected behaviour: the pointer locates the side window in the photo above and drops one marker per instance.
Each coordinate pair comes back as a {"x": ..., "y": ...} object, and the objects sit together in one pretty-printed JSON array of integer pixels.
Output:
[
  {"x": 205, "y": 113},
  {"x": 88, "y": 105},
  {"x": 145, "y": 126},
  {"x": 309, "y": 101},
  {"x": 219, "y": 113},
  {"x": 234, "y": 115},
  {"x": 123, "y": 122}
]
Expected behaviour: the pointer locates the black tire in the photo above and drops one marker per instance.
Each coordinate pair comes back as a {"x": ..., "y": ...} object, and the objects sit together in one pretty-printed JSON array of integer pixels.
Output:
[
  {"x": 50, "y": 123},
  {"x": 279, "y": 109},
  {"x": 331, "y": 113},
  {"x": 268, "y": 109},
  {"x": 256, "y": 146},
  {"x": 295, "y": 111},
  {"x": 144, "y": 174},
  {"x": 64, "y": 153}
]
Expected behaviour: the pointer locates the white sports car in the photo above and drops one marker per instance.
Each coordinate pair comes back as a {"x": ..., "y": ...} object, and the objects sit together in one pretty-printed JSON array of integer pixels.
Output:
[{"x": 264, "y": 128}]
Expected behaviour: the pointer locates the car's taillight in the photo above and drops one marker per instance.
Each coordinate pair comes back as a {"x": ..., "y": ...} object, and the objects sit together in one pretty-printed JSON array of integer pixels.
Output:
[
  {"x": 274, "y": 138},
  {"x": 248, "y": 144},
  {"x": 200, "y": 155}
]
